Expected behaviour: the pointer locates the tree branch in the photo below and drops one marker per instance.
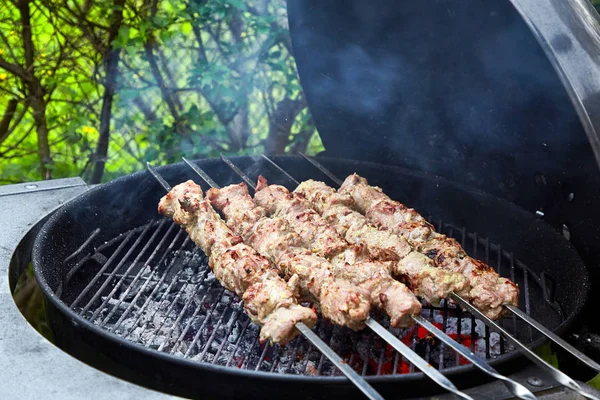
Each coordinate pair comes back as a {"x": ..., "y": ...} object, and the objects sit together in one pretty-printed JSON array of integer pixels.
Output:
[
  {"x": 9, "y": 113},
  {"x": 169, "y": 74},
  {"x": 145, "y": 109},
  {"x": 148, "y": 49},
  {"x": 14, "y": 69}
]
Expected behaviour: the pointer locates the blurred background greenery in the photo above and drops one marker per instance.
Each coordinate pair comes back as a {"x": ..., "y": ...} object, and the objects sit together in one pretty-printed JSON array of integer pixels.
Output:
[{"x": 97, "y": 88}]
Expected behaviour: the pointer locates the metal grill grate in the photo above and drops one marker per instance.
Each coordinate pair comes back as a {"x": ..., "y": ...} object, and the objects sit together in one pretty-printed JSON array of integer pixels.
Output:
[{"x": 153, "y": 286}]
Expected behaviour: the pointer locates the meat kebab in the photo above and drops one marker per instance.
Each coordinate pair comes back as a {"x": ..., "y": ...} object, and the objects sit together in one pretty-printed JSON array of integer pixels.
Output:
[
  {"x": 268, "y": 300},
  {"x": 339, "y": 301},
  {"x": 489, "y": 291},
  {"x": 411, "y": 267},
  {"x": 351, "y": 262}
]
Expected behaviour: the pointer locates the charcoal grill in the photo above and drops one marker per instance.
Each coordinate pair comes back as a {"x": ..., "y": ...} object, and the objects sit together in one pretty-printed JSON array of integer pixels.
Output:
[
  {"x": 135, "y": 289},
  {"x": 193, "y": 339}
]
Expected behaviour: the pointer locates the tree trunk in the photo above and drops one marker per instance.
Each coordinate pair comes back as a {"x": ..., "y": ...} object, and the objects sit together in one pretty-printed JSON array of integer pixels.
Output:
[
  {"x": 238, "y": 129},
  {"x": 36, "y": 93},
  {"x": 112, "y": 71},
  {"x": 38, "y": 105},
  {"x": 281, "y": 123}
]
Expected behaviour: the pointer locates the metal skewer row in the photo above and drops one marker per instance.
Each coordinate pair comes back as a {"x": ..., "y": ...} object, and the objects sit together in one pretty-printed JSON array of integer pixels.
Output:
[
  {"x": 516, "y": 388},
  {"x": 559, "y": 376},
  {"x": 393, "y": 341},
  {"x": 312, "y": 337}
]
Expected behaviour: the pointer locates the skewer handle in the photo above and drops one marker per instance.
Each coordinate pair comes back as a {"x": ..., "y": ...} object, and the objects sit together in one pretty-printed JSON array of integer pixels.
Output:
[
  {"x": 559, "y": 376},
  {"x": 555, "y": 338},
  {"x": 516, "y": 388}
]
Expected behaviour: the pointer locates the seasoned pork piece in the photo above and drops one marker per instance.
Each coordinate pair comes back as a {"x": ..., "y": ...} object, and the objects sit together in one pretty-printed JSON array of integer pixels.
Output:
[
  {"x": 339, "y": 301},
  {"x": 351, "y": 262},
  {"x": 411, "y": 267},
  {"x": 316, "y": 233},
  {"x": 489, "y": 291},
  {"x": 268, "y": 300}
]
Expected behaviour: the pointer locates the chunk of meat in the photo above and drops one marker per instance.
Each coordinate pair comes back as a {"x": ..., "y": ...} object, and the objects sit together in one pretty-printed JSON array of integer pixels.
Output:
[{"x": 268, "y": 300}]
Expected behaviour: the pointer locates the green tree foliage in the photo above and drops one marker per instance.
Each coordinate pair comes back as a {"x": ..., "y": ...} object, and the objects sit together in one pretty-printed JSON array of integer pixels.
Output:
[{"x": 97, "y": 88}]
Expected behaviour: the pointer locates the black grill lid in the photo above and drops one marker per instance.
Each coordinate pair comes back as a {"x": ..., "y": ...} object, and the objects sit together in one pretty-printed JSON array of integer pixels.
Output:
[{"x": 457, "y": 88}]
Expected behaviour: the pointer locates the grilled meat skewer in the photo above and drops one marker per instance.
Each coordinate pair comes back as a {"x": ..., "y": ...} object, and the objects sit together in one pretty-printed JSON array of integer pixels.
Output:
[
  {"x": 352, "y": 262},
  {"x": 489, "y": 291},
  {"x": 268, "y": 300},
  {"x": 339, "y": 300},
  {"x": 413, "y": 268}
]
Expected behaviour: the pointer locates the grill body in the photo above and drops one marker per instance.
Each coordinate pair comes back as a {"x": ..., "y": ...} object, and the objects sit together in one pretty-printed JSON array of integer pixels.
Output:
[{"x": 118, "y": 208}]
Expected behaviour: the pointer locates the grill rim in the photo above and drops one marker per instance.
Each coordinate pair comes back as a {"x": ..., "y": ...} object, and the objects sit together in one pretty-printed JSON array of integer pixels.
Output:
[{"x": 38, "y": 267}]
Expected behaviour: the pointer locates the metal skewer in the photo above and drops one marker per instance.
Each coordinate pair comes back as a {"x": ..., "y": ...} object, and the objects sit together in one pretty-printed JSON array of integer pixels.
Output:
[
  {"x": 393, "y": 341},
  {"x": 559, "y": 376},
  {"x": 515, "y": 387},
  {"x": 316, "y": 341},
  {"x": 556, "y": 374},
  {"x": 549, "y": 334}
]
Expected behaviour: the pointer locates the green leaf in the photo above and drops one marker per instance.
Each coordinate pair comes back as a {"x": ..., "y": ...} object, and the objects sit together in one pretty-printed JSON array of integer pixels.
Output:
[
  {"x": 186, "y": 28},
  {"x": 123, "y": 36},
  {"x": 595, "y": 382}
]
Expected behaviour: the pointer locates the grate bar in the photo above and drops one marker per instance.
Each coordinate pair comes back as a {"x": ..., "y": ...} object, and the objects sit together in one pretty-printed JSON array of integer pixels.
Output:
[
  {"x": 214, "y": 332},
  {"x": 322, "y": 359},
  {"x": 199, "y": 333},
  {"x": 232, "y": 322},
  {"x": 125, "y": 274},
  {"x": 179, "y": 340},
  {"x": 239, "y": 342},
  {"x": 275, "y": 358},
  {"x": 173, "y": 302},
  {"x": 115, "y": 270},
  {"x": 160, "y": 282},
  {"x": 182, "y": 312},
  {"x": 101, "y": 271},
  {"x": 262, "y": 357},
  {"x": 246, "y": 359},
  {"x": 146, "y": 319},
  {"x": 137, "y": 278}
]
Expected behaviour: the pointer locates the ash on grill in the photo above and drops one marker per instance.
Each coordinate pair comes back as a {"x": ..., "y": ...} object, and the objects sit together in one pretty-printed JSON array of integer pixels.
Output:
[{"x": 164, "y": 296}]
